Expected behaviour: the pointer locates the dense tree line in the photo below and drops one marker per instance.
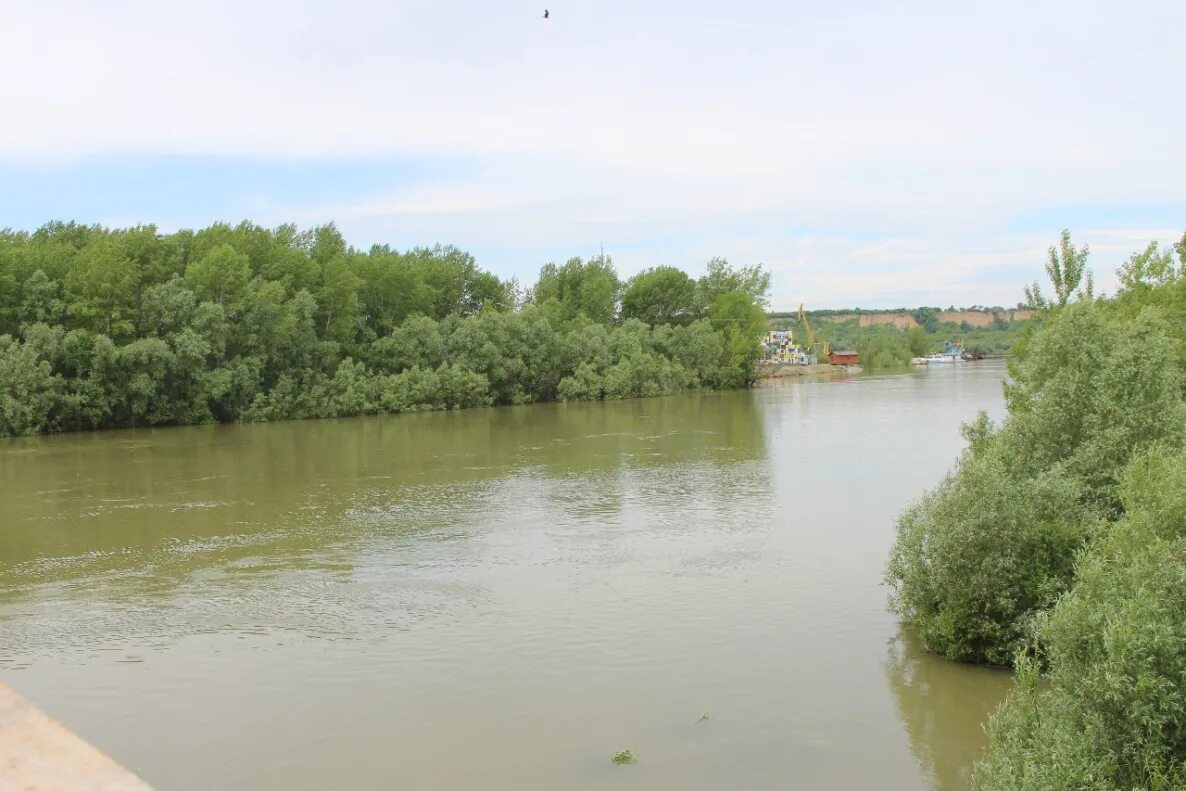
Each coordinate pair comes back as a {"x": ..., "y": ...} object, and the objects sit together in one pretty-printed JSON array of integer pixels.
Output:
[
  {"x": 1057, "y": 544},
  {"x": 131, "y": 327}
]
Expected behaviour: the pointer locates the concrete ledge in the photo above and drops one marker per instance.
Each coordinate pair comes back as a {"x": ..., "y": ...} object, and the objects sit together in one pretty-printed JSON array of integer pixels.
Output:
[{"x": 38, "y": 753}]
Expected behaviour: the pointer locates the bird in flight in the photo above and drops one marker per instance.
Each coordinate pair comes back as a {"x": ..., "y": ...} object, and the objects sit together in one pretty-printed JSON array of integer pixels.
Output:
[{"x": 546, "y": 15}]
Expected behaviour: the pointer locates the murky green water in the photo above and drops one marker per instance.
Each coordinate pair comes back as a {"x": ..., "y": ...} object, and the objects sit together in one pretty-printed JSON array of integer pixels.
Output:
[{"x": 498, "y": 599}]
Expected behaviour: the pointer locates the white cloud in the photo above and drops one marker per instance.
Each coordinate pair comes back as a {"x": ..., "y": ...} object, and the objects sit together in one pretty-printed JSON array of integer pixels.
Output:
[{"x": 927, "y": 127}]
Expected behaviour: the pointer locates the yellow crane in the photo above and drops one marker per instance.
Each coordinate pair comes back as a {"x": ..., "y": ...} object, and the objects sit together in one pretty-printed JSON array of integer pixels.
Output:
[{"x": 811, "y": 345}]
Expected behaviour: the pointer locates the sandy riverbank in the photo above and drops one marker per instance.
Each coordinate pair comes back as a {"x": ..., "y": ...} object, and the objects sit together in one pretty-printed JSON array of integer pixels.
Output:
[{"x": 785, "y": 371}]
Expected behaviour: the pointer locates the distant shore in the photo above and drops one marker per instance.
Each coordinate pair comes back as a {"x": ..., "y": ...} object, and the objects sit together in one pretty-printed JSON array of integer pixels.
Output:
[{"x": 820, "y": 369}]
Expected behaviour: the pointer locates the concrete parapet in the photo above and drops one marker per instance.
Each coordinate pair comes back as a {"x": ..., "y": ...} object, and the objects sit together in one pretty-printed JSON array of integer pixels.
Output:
[{"x": 38, "y": 753}]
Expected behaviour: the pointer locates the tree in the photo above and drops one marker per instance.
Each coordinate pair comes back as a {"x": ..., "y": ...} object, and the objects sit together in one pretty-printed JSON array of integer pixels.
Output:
[
  {"x": 1067, "y": 270},
  {"x": 663, "y": 295},
  {"x": 1111, "y": 712},
  {"x": 221, "y": 276},
  {"x": 1149, "y": 268},
  {"x": 117, "y": 327},
  {"x": 928, "y": 319},
  {"x": 391, "y": 290},
  {"x": 166, "y": 308},
  {"x": 920, "y": 345},
  {"x": 29, "y": 390},
  {"x": 102, "y": 288},
  {"x": 338, "y": 299},
  {"x": 742, "y": 321},
  {"x": 589, "y": 288},
  {"x": 40, "y": 301},
  {"x": 996, "y": 542},
  {"x": 721, "y": 278}
]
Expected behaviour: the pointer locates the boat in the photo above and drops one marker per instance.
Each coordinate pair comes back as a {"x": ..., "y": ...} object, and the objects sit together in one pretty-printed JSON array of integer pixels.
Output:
[{"x": 950, "y": 354}]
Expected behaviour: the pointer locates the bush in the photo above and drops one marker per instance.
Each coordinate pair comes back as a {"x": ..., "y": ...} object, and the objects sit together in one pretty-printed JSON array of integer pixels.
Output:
[
  {"x": 977, "y": 556},
  {"x": 1092, "y": 389},
  {"x": 1112, "y": 713},
  {"x": 884, "y": 350},
  {"x": 995, "y": 543}
]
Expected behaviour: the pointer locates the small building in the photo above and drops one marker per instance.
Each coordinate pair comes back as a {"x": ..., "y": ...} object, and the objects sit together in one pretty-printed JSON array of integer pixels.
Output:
[{"x": 844, "y": 358}]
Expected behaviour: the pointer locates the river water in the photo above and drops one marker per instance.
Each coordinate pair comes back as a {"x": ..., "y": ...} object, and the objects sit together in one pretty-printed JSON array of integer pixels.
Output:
[{"x": 498, "y": 598}]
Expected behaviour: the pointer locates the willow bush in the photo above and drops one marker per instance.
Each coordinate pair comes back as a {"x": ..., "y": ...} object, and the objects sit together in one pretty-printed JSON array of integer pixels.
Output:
[
  {"x": 1111, "y": 713},
  {"x": 103, "y": 328},
  {"x": 996, "y": 541}
]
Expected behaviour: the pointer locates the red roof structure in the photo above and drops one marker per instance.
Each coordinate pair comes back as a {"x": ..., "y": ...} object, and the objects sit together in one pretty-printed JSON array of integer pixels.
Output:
[{"x": 844, "y": 358}]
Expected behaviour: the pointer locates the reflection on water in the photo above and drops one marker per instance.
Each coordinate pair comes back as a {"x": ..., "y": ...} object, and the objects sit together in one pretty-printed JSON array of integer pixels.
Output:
[
  {"x": 943, "y": 707},
  {"x": 94, "y": 504},
  {"x": 499, "y": 598}
]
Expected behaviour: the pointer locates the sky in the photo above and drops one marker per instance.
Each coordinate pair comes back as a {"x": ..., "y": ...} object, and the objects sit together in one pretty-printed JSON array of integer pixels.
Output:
[{"x": 868, "y": 153}]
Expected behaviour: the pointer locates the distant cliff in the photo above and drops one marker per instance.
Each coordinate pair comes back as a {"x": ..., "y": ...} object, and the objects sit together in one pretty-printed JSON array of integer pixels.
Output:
[{"x": 974, "y": 318}]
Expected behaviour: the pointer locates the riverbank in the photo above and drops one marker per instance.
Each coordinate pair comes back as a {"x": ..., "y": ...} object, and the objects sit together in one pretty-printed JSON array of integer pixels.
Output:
[{"x": 788, "y": 371}]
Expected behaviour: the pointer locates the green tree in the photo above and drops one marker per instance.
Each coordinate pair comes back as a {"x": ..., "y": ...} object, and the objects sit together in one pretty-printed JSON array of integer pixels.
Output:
[
  {"x": 589, "y": 288},
  {"x": 1148, "y": 269},
  {"x": 721, "y": 278},
  {"x": 338, "y": 300},
  {"x": 742, "y": 321},
  {"x": 928, "y": 319},
  {"x": 102, "y": 288},
  {"x": 119, "y": 327},
  {"x": 995, "y": 543},
  {"x": 221, "y": 276},
  {"x": 29, "y": 390},
  {"x": 919, "y": 343},
  {"x": 40, "y": 301},
  {"x": 663, "y": 295},
  {"x": 1112, "y": 711},
  {"x": 1067, "y": 270}
]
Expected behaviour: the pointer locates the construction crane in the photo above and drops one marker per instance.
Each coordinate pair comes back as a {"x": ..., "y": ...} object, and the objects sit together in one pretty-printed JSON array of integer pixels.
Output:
[{"x": 811, "y": 345}]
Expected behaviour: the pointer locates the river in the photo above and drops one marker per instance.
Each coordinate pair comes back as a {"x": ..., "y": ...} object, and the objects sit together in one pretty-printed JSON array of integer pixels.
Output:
[{"x": 499, "y": 598}]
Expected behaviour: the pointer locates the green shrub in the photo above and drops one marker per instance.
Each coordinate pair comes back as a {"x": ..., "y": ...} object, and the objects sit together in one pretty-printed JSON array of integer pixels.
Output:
[
  {"x": 1112, "y": 712},
  {"x": 884, "y": 350},
  {"x": 995, "y": 543},
  {"x": 977, "y": 556},
  {"x": 1092, "y": 389}
]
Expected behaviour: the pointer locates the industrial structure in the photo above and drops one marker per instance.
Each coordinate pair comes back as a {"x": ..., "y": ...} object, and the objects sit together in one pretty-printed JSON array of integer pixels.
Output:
[{"x": 821, "y": 348}]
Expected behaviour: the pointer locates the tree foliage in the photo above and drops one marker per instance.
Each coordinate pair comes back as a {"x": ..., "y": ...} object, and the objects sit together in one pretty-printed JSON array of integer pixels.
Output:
[
  {"x": 1068, "y": 273},
  {"x": 995, "y": 543},
  {"x": 104, "y": 328},
  {"x": 586, "y": 288},
  {"x": 1058, "y": 542},
  {"x": 1112, "y": 711},
  {"x": 663, "y": 295}
]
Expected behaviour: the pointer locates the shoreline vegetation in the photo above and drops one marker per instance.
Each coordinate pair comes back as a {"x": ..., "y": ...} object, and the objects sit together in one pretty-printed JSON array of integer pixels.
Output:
[
  {"x": 1057, "y": 543},
  {"x": 887, "y": 339},
  {"x": 112, "y": 328}
]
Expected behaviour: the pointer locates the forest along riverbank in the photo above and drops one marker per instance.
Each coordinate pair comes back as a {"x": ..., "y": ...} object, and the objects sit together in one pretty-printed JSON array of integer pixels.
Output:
[
  {"x": 119, "y": 328},
  {"x": 498, "y": 597}
]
